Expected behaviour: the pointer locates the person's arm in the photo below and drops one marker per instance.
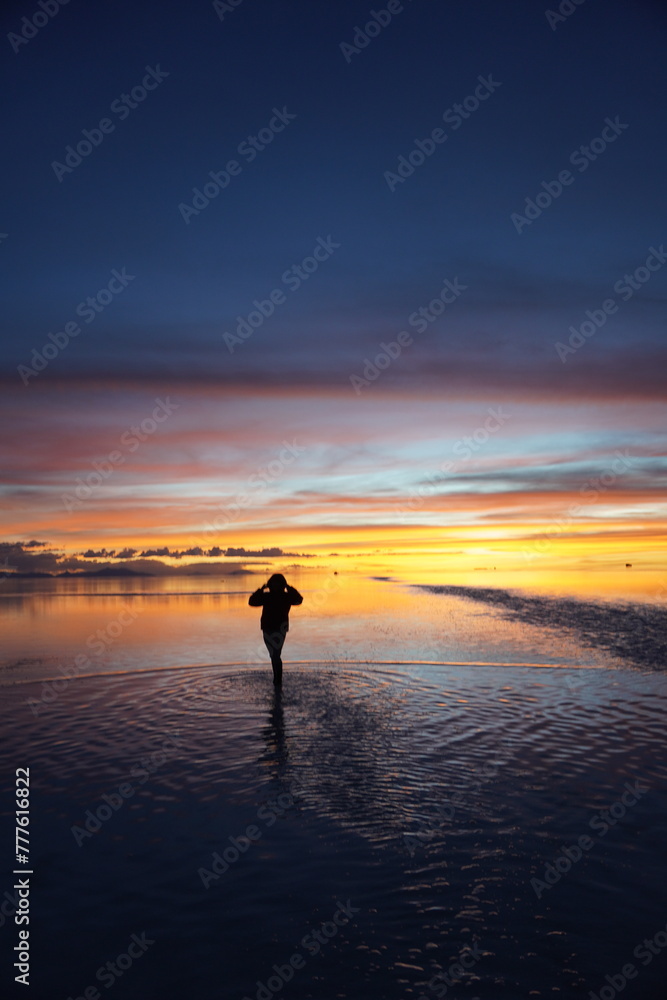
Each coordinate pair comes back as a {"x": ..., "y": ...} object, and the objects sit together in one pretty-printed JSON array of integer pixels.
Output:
[
  {"x": 256, "y": 600},
  {"x": 294, "y": 595}
]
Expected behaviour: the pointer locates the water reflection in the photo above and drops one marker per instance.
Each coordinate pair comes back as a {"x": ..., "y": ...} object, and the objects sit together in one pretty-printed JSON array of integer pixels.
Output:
[
  {"x": 375, "y": 755},
  {"x": 274, "y": 758},
  {"x": 362, "y": 620}
]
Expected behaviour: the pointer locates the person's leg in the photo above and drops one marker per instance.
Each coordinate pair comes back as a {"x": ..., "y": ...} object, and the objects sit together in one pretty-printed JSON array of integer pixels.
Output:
[
  {"x": 277, "y": 665},
  {"x": 274, "y": 642},
  {"x": 278, "y": 640}
]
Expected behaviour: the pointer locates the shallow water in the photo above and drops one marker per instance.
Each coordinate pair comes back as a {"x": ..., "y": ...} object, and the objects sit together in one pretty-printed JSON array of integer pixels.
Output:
[
  {"x": 426, "y": 795},
  {"x": 166, "y": 622}
]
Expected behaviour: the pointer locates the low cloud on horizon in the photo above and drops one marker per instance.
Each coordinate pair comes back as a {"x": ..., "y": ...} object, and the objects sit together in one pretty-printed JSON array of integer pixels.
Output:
[{"x": 40, "y": 557}]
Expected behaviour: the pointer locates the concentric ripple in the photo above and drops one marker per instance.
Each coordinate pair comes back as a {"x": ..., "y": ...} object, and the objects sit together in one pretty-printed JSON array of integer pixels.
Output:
[{"x": 427, "y": 795}]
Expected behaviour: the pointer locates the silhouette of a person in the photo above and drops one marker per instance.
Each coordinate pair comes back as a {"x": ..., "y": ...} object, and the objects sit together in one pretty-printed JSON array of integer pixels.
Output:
[{"x": 274, "y": 622}]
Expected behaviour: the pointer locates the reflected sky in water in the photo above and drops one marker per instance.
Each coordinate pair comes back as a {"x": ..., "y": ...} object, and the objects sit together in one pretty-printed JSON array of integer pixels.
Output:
[
  {"x": 425, "y": 795},
  {"x": 166, "y": 622},
  {"x": 429, "y": 796}
]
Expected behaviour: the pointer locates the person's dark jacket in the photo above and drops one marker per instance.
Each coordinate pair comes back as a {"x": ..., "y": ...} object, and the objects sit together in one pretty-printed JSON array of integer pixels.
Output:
[{"x": 276, "y": 607}]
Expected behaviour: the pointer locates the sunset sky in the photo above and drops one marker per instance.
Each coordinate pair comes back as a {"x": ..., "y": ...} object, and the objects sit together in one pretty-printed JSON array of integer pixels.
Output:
[{"x": 493, "y": 434}]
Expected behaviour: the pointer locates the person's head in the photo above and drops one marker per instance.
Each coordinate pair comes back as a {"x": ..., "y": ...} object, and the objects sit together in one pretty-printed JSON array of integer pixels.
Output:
[{"x": 277, "y": 582}]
